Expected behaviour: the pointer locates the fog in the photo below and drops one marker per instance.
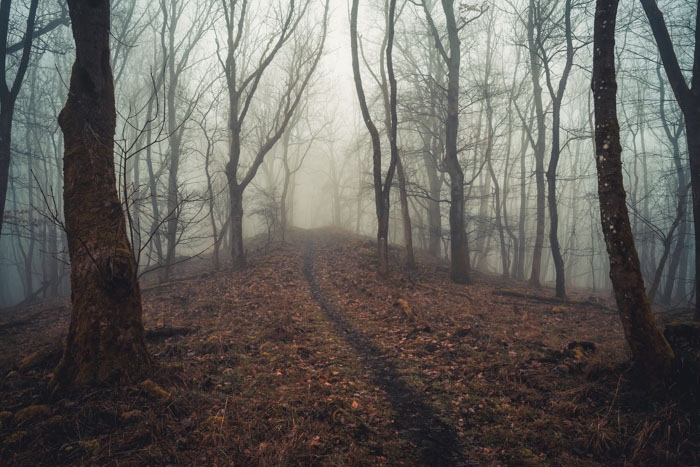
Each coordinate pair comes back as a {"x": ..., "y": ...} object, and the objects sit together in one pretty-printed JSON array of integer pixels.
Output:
[{"x": 179, "y": 66}]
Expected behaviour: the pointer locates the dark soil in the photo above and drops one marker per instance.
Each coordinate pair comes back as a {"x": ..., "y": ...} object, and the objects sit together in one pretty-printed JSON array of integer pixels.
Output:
[{"x": 309, "y": 358}]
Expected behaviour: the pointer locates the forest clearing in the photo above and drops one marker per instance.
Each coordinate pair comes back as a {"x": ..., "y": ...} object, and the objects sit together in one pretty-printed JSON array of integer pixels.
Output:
[{"x": 308, "y": 357}]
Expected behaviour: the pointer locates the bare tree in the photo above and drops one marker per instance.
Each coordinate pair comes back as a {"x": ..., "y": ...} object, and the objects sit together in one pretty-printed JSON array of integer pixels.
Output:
[
  {"x": 243, "y": 77},
  {"x": 648, "y": 345},
  {"x": 106, "y": 337},
  {"x": 382, "y": 185},
  {"x": 534, "y": 16},
  {"x": 557, "y": 96},
  {"x": 451, "y": 55}
]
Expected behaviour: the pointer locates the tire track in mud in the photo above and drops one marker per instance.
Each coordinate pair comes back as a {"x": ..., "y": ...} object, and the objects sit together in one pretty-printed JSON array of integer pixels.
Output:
[{"x": 416, "y": 421}]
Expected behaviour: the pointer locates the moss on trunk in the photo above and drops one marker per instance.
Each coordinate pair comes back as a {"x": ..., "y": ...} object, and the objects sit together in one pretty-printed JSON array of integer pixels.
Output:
[{"x": 106, "y": 339}]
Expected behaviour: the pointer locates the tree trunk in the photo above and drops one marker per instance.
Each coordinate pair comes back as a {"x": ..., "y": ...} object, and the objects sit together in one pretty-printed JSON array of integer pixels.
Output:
[
  {"x": 554, "y": 159},
  {"x": 459, "y": 249},
  {"x": 237, "y": 251},
  {"x": 647, "y": 342},
  {"x": 154, "y": 231},
  {"x": 552, "y": 202},
  {"x": 405, "y": 215},
  {"x": 105, "y": 341},
  {"x": 539, "y": 146},
  {"x": 433, "y": 204},
  {"x": 212, "y": 207},
  {"x": 522, "y": 215},
  {"x": 392, "y": 129},
  {"x": 173, "y": 205},
  {"x": 692, "y": 125},
  {"x": 285, "y": 184},
  {"x": 6, "y": 112},
  {"x": 381, "y": 194}
]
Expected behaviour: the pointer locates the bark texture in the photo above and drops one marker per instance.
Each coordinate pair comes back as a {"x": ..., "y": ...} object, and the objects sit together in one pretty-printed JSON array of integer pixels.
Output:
[
  {"x": 106, "y": 339},
  {"x": 648, "y": 345}
]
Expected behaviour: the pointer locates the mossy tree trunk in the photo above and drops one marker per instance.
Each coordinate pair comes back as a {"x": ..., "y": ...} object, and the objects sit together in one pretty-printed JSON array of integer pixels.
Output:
[
  {"x": 105, "y": 341},
  {"x": 649, "y": 347}
]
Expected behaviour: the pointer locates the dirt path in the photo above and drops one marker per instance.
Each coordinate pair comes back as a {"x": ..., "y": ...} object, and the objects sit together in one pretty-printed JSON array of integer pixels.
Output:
[{"x": 416, "y": 420}]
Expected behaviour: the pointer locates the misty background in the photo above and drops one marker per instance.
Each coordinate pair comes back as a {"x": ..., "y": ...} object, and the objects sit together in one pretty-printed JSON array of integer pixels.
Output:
[{"x": 173, "y": 136}]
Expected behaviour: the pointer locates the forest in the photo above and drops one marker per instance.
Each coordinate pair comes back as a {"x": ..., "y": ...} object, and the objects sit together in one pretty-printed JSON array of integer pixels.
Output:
[{"x": 360, "y": 232}]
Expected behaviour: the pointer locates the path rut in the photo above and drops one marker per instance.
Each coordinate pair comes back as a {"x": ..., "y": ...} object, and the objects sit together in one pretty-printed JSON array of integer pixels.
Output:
[{"x": 416, "y": 421}]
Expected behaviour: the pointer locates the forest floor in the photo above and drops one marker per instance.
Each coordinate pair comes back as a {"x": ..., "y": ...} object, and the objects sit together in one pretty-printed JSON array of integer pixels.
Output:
[{"x": 307, "y": 357}]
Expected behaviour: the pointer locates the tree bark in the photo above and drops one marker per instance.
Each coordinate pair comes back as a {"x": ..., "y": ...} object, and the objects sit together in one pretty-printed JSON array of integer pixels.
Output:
[
  {"x": 649, "y": 347},
  {"x": 106, "y": 339}
]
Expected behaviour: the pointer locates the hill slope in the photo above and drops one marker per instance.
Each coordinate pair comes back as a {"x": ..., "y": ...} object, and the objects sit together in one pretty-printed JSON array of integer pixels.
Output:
[{"x": 308, "y": 358}]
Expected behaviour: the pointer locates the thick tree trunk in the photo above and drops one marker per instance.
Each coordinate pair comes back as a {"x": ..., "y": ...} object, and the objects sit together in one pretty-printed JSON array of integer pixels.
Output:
[
  {"x": 647, "y": 342},
  {"x": 106, "y": 340}
]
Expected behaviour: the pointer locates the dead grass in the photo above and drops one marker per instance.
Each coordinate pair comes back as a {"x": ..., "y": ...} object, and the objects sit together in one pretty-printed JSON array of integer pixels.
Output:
[{"x": 307, "y": 358}]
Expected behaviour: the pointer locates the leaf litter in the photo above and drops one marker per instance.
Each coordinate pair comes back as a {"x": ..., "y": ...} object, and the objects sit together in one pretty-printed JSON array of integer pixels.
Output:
[{"x": 307, "y": 357}]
